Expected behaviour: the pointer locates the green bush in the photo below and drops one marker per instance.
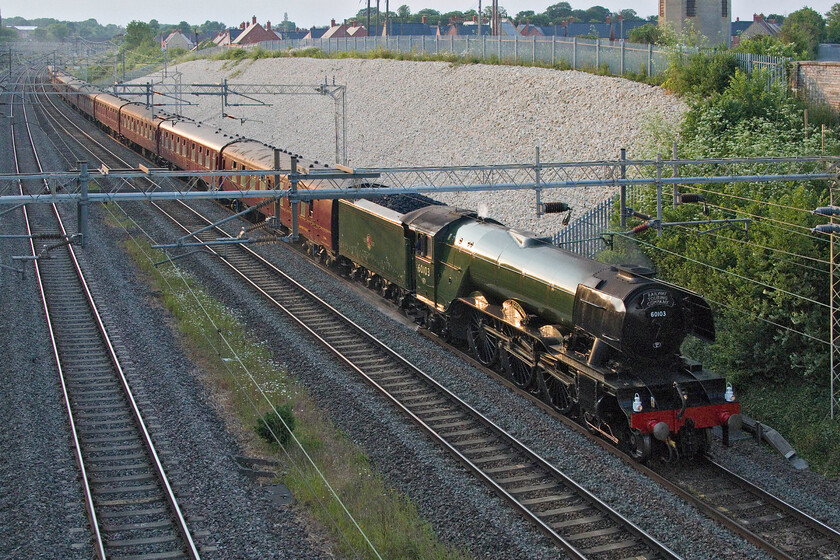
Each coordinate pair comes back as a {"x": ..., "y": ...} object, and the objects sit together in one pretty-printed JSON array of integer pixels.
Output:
[
  {"x": 700, "y": 74},
  {"x": 277, "y": 425}
]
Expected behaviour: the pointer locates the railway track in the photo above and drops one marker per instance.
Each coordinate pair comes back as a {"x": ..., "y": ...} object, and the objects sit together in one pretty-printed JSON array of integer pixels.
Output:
[
  {"x": 516, "y": 475},
  {"x": 575, "y": 519},
  {"x": 766, "y": 521},
  {"x": 132, "y": 509},
  {"x": 761, "y": 518}
]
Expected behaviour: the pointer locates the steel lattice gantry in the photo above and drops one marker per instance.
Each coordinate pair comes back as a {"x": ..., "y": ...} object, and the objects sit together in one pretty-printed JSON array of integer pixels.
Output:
[
  {"x": 251, "y": 94},
  {"x": 346, "y": 183}
]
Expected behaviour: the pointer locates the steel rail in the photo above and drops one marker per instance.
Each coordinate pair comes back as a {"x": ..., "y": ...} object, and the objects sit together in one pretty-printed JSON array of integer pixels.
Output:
[
  {"x": 528, "y": 513},
  {"x": 669, "y": 481},
  {"x": 654, "y": 547},
  {"x": 169, "y": 494},
  {"x": 90, "y": 508}
]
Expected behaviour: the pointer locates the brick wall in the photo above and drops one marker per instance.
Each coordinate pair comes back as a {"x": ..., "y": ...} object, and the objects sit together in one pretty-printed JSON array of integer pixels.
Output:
[{"x": 817, "y": 81}]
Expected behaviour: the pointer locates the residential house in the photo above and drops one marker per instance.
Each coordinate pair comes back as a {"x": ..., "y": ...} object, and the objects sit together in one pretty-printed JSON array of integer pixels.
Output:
[
  {"x": 254, "y": 33},
  {"x": 226, "y": 37},
  {"x": 316, "y": 33},
  {"x": 760, "y": 27},
  {"x": 405, "y": 28},
  {"x": 177, "y": 40}
]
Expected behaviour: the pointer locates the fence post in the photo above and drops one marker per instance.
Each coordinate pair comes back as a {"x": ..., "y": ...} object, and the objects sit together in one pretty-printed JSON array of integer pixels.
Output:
[
  {"x": 554, "y": 50},
  {"x": 622, "y": 190},
  {"x": 468, "y": 45},
  {"x": 676, "y": 200},
  {"x": 437, "y": 45},
  {"x": 534, "y": 51},
  {"x": 484, "y": 48},
  {"x": 499, "y": 39},
  {"x": 622, "y": 58},
  {"x": 650, "y": 60},
  {"x": 574, "y": 53},
  {"x": 597, "y": 53},
  {"x": 516, "y": 49},
  {"x": 452, "y": 43}
]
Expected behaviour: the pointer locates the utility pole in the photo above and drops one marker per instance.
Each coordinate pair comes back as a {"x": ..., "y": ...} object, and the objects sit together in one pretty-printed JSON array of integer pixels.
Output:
[
  {"x": 377, "y": 13},
  {"x": 387, "y": 16},
  {"x": 479, "y": 19},
  {"x": 368, "y": 16}
]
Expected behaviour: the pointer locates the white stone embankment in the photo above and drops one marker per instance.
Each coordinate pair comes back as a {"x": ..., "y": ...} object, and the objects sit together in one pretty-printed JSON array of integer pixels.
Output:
[{"x": 403, "y": 113}]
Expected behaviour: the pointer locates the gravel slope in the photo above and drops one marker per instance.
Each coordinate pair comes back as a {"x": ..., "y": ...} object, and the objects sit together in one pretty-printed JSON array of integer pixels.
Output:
[{"x": 402, "y": 113}]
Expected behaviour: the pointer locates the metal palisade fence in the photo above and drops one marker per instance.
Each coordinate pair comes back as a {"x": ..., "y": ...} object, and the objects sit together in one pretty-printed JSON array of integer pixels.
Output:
[
  {"x": 584, "y": 235},
  {"x": 617, "y": 57},
  {"x": 614, "y": 57}
]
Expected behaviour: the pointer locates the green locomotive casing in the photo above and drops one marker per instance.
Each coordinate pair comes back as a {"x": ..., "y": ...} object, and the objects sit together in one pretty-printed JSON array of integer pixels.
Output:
[
  {"x": 472, "y": 254},
  {"x": 374, "y": 237}
]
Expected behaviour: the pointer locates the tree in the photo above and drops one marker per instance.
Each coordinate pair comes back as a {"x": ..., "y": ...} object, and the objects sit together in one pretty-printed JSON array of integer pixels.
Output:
[
  {"x": 581, "y": 16},
  {"x": 597, "y": 14},
  {"x": 137, "y": 33},
  {"x": 806, "y": 29},
  {"x": 833, "y": 21},
  {"x": 524, "y": 16},
  {"x": 559, "y": 11},
  {"x": 629, "y": 15},
  {"x": 651, "y": 33},
  {"x": 154, "y": 26},
  {"x": 59, "y": 31},
  {"x": 766, "y": 45},
  {"x": 403, "y": 12}
]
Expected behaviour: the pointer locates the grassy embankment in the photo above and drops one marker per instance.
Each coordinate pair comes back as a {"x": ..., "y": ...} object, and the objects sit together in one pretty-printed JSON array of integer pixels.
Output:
[
  {"x": 381, "y": 53},
  {"x": 243, "y": 374}
]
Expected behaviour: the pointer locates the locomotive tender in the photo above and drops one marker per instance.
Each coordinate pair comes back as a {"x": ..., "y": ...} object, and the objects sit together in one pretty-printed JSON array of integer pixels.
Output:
[{"x": 597, "y": 342}]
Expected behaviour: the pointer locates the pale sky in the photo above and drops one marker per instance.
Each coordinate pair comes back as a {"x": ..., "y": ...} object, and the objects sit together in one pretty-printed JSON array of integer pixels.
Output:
[{"x": 318, "y": 12}]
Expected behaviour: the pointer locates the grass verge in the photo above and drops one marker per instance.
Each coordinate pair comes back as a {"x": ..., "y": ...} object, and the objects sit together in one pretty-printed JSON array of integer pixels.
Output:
[
  {"x": 388, "y": 518},
  {"x": 381, "y": 53}
]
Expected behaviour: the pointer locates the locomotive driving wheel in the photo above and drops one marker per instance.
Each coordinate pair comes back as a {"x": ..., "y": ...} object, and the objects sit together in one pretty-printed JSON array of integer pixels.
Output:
[
  {"x": 517, "y": 370},
  {"x": 484, "y": 346},
  {"x": 557, "y": 394}
]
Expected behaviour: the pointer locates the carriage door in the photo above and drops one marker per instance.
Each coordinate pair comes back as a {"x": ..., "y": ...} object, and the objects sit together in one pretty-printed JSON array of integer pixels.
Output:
[{"x": 424, "y": 268}]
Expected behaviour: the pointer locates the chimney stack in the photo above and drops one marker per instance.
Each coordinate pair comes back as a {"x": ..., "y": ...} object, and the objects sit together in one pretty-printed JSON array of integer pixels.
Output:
[
  {"x": 268, "y": 26},
  {"x": 354, "y": 23},
  {"x": 424, "y": 20},
  {"x": 253, "y": 20},
  {"x": 332, "y": 23},
  {"x": 242, "y": 25},
  {"x": 475, "y": 19}
]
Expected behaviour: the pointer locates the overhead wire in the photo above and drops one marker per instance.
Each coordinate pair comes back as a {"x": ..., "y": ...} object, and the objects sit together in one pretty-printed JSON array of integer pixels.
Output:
[
  {"x": 726, "y": 272},
  {"x": 747, "y": 199}
]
